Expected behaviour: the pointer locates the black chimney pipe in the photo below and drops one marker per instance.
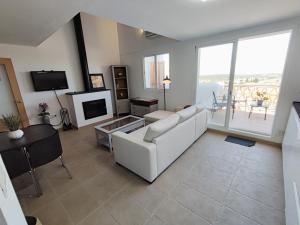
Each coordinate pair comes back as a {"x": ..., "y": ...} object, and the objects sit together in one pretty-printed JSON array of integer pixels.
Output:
[{"x": 82, "y": 53}]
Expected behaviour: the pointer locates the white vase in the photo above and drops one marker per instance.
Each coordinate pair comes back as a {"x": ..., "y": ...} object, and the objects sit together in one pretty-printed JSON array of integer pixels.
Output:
[{"x": 15, "y": 134}]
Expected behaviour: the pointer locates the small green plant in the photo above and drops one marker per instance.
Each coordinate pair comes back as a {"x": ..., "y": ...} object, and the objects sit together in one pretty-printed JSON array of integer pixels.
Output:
[
  {"x": 12, "y": 121},
  {"x": 262, "y": 96}
]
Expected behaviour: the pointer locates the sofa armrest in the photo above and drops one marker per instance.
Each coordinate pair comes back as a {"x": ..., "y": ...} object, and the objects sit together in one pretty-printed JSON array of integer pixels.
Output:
[{"x": 135, "y": 154}]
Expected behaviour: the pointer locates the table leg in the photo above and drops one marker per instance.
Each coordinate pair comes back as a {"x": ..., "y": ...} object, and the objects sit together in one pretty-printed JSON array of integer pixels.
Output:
[
  {"x": 109, "y": 143},
  {"x": 266, "y": 109},
  {"x": 65, "y": 167},
  {"x": 250, "y": 112},
  {"x": 32, "y": 174}
]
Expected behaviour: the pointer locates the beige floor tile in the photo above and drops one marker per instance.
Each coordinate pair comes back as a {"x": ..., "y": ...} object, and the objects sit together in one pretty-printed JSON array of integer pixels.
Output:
[
  {"x": 272, "y": 183},
  {"x": 189, "y": 159},
  {"x": 53, "y": 214},
  {"x": 61, "y": 183},
  {"x": 221, "y": 163},
  {"x": 132, "y": 214},
  {"x": 260, "y": 193},
  {"x": 33, "y": 204},
  {"x": 126, "y": 211},
  {"x": 271, "y": 170},
  {"x": 171, "y": 177},
  {"x": 105, "y": 185},
  {"x": 99, "y": 217},
  {"x": 145, "y": 194},
  {"x": 200, "y": 204},
  {"x": 207, "y": 186},
  {"x": 154, "y": 220},
  {"x": 172, "y": 213},
  {"x": 266, "y": 156},
  {"x": 229, "y": 217},
  {"x": 78, "y": 203},
  {"x": 205, "y": 170},
  {"x": 254, "y": 209},
  {"x": 85, "y": 171}
]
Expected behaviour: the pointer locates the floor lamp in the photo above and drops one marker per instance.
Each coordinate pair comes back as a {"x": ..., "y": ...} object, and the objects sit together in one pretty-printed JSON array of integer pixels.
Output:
[{"x": 166, "y": 80}]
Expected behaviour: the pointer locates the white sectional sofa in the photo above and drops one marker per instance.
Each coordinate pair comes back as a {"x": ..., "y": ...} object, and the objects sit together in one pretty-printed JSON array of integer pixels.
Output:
[{"x": 151, "y": 149}]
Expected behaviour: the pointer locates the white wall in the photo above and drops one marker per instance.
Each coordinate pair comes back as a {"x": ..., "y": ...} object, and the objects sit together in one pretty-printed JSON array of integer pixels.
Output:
[
  {"x": 183, "y": 66},
  {"x": 102, "y": 46},
  {"x": 133, "y": 47},
  {"x": 59, "y": 52}
]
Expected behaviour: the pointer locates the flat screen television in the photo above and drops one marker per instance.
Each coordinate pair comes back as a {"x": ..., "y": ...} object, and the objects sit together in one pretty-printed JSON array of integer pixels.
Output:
[{"x": 49, "y": 80}]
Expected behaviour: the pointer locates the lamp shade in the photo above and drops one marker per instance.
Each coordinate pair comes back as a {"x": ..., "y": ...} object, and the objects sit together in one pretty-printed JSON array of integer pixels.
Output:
[{"x": 167, "y": 80}]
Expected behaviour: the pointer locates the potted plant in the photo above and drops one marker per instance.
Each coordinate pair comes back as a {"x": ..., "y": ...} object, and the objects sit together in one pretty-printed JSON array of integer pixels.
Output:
[
  {"x": 261, "y": 97},
  {"x": 44, "y": 114},
  {"x": 12, "y": 122}
]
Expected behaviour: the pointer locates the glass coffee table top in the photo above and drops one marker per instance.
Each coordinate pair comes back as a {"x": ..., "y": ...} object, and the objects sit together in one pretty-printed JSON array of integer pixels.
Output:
[{"x": 118, "y": 123}]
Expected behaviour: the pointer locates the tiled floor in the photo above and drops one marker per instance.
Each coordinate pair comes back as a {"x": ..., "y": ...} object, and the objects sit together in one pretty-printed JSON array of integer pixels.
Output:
[{"x": 213, "y": 182}]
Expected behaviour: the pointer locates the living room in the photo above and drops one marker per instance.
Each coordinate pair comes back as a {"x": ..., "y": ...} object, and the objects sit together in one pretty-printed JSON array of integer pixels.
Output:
[{"x": 195, "y": 123}]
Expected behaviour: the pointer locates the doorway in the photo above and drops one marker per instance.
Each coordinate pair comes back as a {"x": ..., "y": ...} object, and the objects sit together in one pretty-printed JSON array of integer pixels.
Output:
[
  {"x": 239, "y": 82},
  {"x": 11, "y": 100}
]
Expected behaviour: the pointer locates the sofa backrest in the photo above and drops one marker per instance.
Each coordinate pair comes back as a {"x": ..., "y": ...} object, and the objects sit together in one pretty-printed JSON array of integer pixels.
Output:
[
  {"x": 160, "y": 127},
  {"x": 200, "y": 108},
  {"x": 201, "y": 123},
  {"x": 187, "y": 113}
]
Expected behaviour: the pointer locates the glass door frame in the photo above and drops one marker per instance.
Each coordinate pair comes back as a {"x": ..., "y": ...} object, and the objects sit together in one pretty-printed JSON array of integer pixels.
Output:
[
  {"x": 231, "y": 81},
  {"x": 235, "y": 42},
  {"x": 231, "y": 78}
]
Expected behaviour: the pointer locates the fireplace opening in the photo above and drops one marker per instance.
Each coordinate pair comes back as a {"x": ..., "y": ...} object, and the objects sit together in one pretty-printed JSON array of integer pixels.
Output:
[{"x": 95, "y": 108}]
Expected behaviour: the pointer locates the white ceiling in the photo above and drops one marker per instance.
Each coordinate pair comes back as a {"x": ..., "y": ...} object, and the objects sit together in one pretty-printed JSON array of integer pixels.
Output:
[{"x": 30, "y": 22}]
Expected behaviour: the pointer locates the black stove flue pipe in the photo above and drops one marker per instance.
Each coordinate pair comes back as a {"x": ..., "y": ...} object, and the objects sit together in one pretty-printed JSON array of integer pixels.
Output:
[{"x": 82, "y": 53}]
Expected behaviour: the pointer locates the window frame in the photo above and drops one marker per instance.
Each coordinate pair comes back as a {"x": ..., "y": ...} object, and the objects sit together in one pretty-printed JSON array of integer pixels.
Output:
[{"x": 157, "y": 85}]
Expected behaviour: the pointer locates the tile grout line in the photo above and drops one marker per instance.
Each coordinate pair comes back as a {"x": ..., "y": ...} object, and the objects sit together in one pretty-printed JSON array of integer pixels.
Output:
[{"x": 103, "y": 204}]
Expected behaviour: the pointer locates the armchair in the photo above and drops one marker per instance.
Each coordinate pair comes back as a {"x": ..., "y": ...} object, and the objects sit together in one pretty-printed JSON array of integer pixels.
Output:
[{"x": 219, "y": 105}]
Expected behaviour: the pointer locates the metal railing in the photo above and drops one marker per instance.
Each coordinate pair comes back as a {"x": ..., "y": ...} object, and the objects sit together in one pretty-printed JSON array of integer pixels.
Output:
[{"x": 248, "y": 92}]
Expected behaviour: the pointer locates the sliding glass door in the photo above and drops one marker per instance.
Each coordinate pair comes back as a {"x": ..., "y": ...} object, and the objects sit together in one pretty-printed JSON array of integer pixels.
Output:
[
  {"x": 257, "y": 78},
  {"x": 213, "y": 80},
  {"x": 239, "y": 82}
]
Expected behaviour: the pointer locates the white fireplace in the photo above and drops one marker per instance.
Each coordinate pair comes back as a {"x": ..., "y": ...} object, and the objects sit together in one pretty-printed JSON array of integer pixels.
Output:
[{"x": 90, "y": 107}]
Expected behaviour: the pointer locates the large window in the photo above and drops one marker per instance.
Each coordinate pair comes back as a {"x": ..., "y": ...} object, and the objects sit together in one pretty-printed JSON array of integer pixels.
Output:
[
  {"x": 156, "y": 68},
  {"x": 239, "y": 82}
]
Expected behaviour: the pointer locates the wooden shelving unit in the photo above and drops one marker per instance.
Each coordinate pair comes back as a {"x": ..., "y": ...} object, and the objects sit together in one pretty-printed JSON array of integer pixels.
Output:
[{"x": 121, "y": 91}]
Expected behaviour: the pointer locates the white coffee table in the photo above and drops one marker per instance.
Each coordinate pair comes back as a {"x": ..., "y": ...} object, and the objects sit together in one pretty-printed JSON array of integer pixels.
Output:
[
  {"x": 125, "y": 124},
  {"x": 157, "y": 115}
]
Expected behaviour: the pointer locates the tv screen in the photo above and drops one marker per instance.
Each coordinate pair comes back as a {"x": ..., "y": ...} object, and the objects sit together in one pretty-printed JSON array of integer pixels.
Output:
[{"x": 49, "y": 80}]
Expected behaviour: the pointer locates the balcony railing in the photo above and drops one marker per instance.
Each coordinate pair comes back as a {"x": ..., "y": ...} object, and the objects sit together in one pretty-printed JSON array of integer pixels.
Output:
[{"x": 247, "y": 92}]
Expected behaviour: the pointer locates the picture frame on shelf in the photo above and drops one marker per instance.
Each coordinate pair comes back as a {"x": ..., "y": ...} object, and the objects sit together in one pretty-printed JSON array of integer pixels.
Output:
[{"x": 97, "y": 81}]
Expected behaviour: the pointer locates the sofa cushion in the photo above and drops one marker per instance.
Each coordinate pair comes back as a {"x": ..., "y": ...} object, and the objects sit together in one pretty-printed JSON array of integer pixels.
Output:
[
  {"x": 199, "y": 108},
  {"x": 140, "y": 133},
  {"x": 186, "y": 113},
  {"x": 158, "y": 128},
  {"x": 157, "y": 115}
]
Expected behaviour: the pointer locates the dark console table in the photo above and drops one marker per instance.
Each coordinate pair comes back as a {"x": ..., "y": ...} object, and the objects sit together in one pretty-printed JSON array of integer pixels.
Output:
[{"x": 143, "y": 106}]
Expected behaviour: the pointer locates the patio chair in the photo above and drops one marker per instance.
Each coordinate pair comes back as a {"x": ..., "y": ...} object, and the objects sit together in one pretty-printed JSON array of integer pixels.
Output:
[{"x": 219, "y": 105}]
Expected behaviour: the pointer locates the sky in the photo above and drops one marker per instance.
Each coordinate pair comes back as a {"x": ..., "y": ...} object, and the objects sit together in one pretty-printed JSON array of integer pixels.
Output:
[{"x": 257, "y": 55}]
